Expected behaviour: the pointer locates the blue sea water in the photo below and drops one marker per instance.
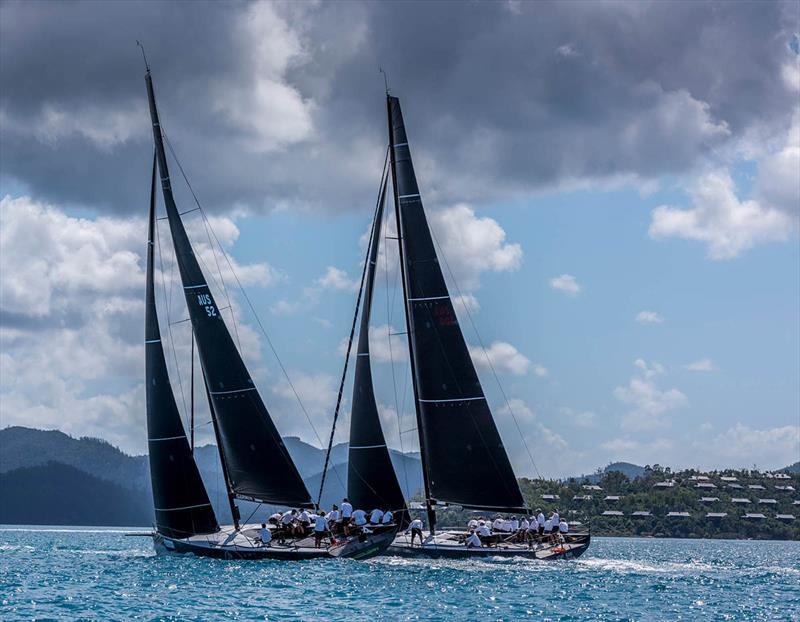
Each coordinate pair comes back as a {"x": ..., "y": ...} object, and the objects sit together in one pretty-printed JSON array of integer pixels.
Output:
[{"x": 99, "y": 574}]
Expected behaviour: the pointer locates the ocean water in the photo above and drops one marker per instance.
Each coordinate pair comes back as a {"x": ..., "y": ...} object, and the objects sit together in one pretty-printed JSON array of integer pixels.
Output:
[{"x": 99, "y": 574}]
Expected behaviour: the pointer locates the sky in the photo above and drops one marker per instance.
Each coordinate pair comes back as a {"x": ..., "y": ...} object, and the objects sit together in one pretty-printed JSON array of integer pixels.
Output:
[{"x": 614, "y": 188}]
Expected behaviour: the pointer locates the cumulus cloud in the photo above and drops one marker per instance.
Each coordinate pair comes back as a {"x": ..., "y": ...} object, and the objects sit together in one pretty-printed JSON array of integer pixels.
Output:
[
  {"x": 718, "y": 218},
  {"x": 337, "y": 279},
  {"x": 503, "y": 357},
  {"x": 704, "y": 364},
  {"x": 386, "y": 344},
  {"x": 743, "y": 446},
  {"x": 71, "y": 305},
  {"x": 566, "y": 283},
  {"x": 648, "y": 403},
  {"x": 649, "y": 317},
  {"x": 472, "y": 245},
  {"x": 271, "y": 101},
  {"x": 317, "y": 393}
]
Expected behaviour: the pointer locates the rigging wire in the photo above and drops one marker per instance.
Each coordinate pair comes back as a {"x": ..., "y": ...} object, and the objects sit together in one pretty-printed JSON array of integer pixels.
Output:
[
  {"x": 486, "y": 354},
  {"x": 373, "y": 240}
]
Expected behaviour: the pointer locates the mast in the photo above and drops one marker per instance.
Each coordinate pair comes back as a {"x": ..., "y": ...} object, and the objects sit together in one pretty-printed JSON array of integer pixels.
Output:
[
  {"x": 464, "y": 460},
  {"x": 181, "y": 503},
  {"x": 256, "y": 460},
  {"x": 371, "y": 478},
  {"x": 400, "y": 237}
]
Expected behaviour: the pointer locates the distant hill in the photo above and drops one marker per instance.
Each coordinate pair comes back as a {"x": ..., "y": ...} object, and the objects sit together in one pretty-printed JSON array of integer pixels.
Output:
[
  {"x": 76, "y": 465},
  {"x": 60, "y": 494},
  {"x": 631, "y": 471},
  {"x": 792, "y": 468}
]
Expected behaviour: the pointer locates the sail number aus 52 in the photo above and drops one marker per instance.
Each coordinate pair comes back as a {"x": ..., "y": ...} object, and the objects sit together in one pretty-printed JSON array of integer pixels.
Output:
[{"x": 204, "y": 300}]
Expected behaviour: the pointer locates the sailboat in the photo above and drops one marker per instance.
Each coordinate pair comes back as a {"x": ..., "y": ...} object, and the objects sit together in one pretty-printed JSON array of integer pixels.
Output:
[
  {"x": 464, "y": 462},
  {"x": 255, "y": 462}
]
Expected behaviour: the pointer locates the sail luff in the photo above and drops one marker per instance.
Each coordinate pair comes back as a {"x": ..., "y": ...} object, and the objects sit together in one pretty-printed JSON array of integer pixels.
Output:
[
  {"x": 258, "y": 464},
  {"x": 181, "y": 503},
  {"x": 371, "y": 478},
  {"x": 466, "y": 461}
]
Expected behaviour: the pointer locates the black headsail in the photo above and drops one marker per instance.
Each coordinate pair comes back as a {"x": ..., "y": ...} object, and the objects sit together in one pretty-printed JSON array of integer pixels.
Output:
[
  {"x": 371, "y": 479},
  {"x": 255, "y": 458},
  {"x": 464, "y": 461},
  {"x": 179, "y": 496}
]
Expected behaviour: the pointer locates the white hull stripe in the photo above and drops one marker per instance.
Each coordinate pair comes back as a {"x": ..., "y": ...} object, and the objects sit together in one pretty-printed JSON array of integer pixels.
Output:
[
  {"x": 234, "y": 391},
  {"x": 195, "y": 286},
  {"x": 366, "y": 446},
  {"x": 407, "y": 196},
  {"x": 428, "y": 298},
  {"x": 185, "y": 507},
  {"x": 152, "y": 340},
  {"x": 166, "y": 438},
  {"x": 457, "y": 399}
]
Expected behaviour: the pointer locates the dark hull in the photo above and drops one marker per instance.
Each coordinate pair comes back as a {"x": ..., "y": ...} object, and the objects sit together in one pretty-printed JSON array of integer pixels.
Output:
[
  {"x": 230, "y": 546},
  {"x": 446, "y": 548}
]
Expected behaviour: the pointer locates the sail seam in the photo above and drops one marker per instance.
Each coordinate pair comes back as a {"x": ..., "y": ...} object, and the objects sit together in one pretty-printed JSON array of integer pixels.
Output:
[
  {"x": 185, "y": 507},
  {"x": 166, "y": 438},
  {"x": 233, "y": 391},
  {"x": 407, "y": 196},
  {"x": 366, "y": 446},
  {"x": 428, "y": 298},
  {"x": 195, "y": 286},
  {"x": 457, "y": 399},
  {"x": 152, "y": 340}
]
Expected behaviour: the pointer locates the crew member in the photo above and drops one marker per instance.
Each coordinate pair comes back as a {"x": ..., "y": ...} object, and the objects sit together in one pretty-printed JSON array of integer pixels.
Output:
[
  {"x": 320, "y": 527},
  {"x": 473, "y": 541},
  {"x": 416, "y": 530},
  {"x": 265, "y": 534}
]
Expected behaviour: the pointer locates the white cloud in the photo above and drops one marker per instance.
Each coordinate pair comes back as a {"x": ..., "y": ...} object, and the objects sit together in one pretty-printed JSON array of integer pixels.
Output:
[
  {"x": 317, "y": 392},
  {"x": 727, "y": 225},
  {"x": 472, "y": 245},
  {"x": 540, "y": 370},
  {"x": 647, "y": 401},
  {"x": 649, "y": 317},
  {"x": 743, "y": 446},
  {"x": 566, "y": 283},
  {"x": 270, "y": 113},
  {"x": 71, "y": 296},
  {"x": 467, "y": 302},
  {"x": 503, "y": 358},
  {"x": 778, "y": 179},
  {"x": 337, "y": 279},
  {"x": 704, "y": 364},
  {"x": 585, "y": 419}
]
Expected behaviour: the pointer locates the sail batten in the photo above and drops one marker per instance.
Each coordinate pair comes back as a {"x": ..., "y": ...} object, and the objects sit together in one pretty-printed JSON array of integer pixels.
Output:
[
  {"x": 371, "y": 479},
  {"x": 257, "y": 463},
  {"x": 180, "y": 499},
  {"x": 463, "y": 455}
]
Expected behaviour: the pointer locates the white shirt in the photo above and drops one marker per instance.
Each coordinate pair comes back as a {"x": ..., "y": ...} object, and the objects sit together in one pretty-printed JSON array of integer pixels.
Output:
[
  {"x": 514, "y": 525},
  {"x": 376, "y": 516},
  {"x": 266, "y": 535},
  {"x": 498, "y": 523},
  {"x": 548, "y": 525},
  {"x": 473, "y": 540},
  {"x": 555, "y": 518},
  {"x": 276, "y": 517},
  {"x": 483, "y": 531},
  {"x": 563, "y": 527},
  {"x": 321, "y": 524},
  {"x": 387, "y": 518},
  {"x": 347, "y": 510},
  {"x": 304, "y": 518},
  {"x": 472, "y": 524},
  {"x": 540, "y": 519},
  {"x": 415, "y": 524},
  {"x": 524, "y": 524},
  {"x": 287, "y": 518},
  {"x": 359, "y": 516},
  {"x": 333, "y": 515}
]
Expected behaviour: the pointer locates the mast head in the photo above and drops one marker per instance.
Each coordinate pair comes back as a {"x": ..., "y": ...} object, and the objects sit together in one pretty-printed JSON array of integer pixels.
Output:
[
  {"x": 144, "y": 56},
  {"x": 385, "y": 80}
]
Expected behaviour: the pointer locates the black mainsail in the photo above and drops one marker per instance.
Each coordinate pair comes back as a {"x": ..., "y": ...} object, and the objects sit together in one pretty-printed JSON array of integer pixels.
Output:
[
  {"x": 463, "y": 458},
  {"x": 371, "y": 479},
  {"x": 257, "y": 463},
  {"x": 181, "y": 503}
]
